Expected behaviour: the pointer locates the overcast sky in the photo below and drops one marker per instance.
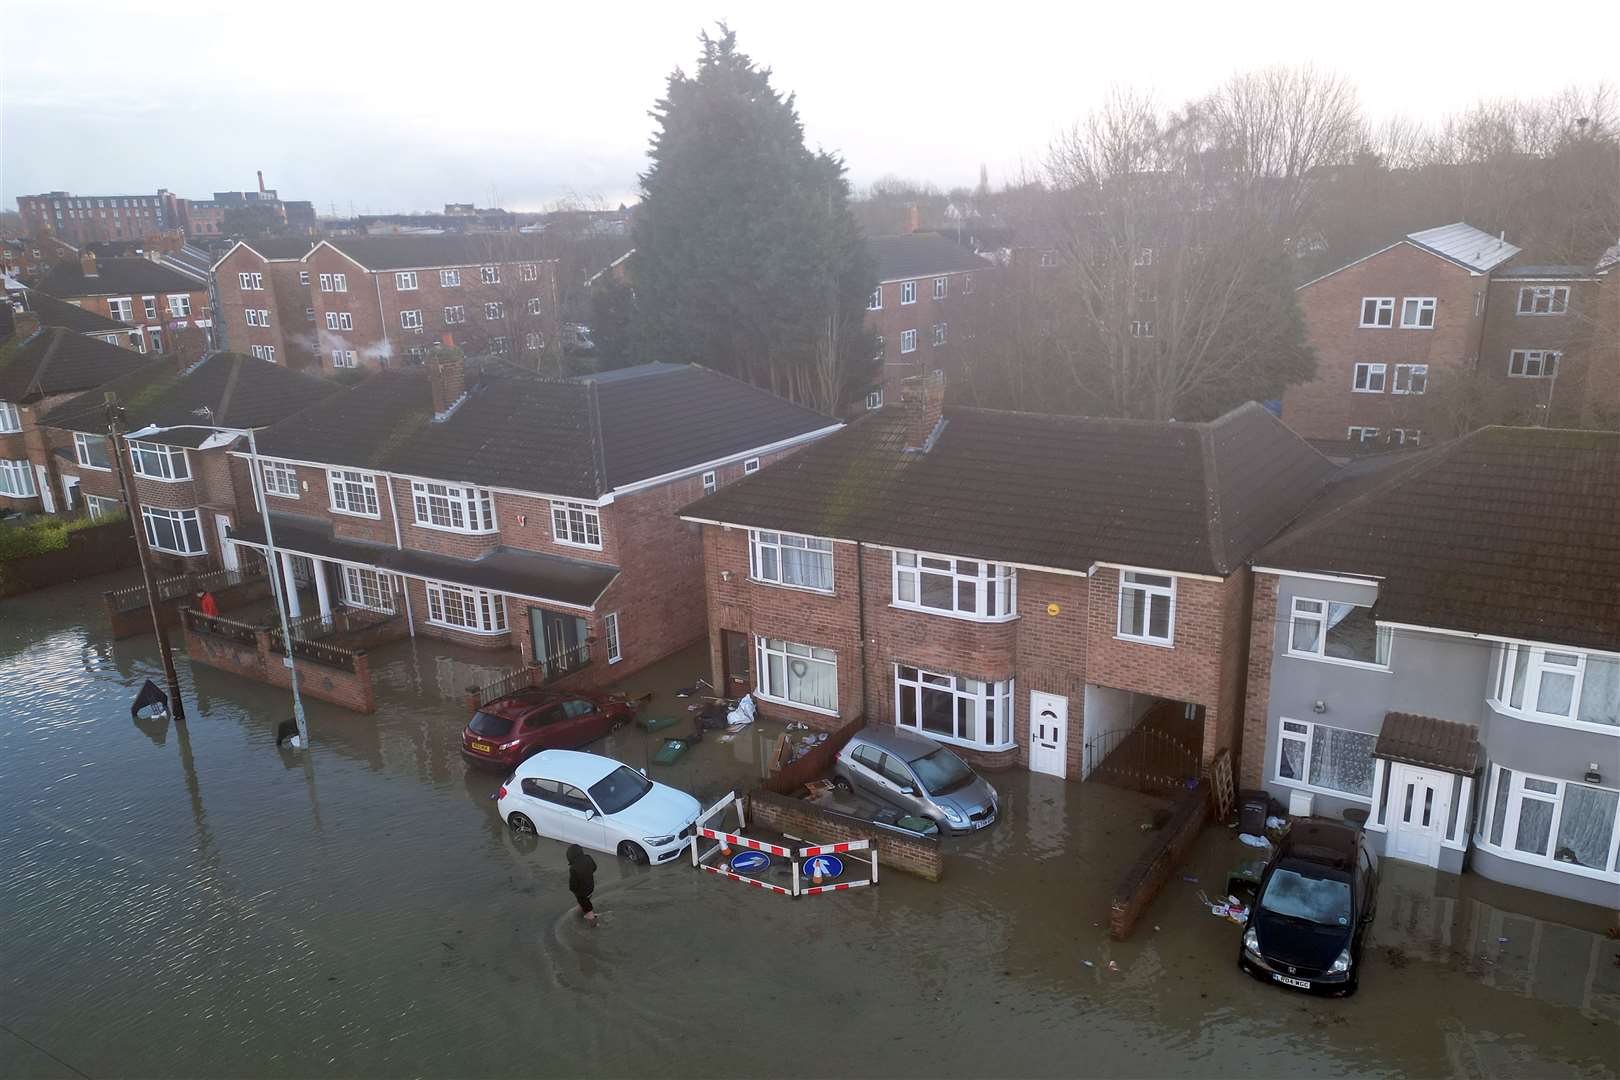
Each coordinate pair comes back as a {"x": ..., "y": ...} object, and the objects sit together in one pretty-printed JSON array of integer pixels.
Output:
[{"x": 408, "y": 105}]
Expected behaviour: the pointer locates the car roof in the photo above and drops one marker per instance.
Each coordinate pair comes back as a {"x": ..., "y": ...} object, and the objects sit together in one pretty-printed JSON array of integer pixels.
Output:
[
  {"x": 570, "y": 766},
  {"x": 1321, "y": 841},
  {"x": 520, "y": 703},
  {"x": 907, "y": 744}
]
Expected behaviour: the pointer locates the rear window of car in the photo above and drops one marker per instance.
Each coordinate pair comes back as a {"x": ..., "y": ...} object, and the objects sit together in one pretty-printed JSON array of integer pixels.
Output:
[{"x": 493, "y": 726}]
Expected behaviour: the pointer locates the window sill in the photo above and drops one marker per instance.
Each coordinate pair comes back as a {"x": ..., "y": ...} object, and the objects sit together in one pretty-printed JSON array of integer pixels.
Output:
[
  {"x": 1340, "y": 661},
  {"x": 1553, "y": 721},
  {"x": 573, "y": 544},
  {"x": 951, "y": 740},
  {"x": 181, "y": 554},
  {"x": 1374, "y": 326},
  {"x": 163, "y": 479},
  {"x": 1414, "y": 327},
  {"x": 466, "y": 629},
  {"x": 1353, "y": 390},
  {"x": 1545, "y": 863},
  {"x": 1408, "y": 393},
  {"x": 86, "y": 465},
  {"x": 1155, "y": 642},
  {"x": 795, "y": 588},
  {"x": 280, "y": 494},
  {"x": 957, "y": 615},
  {"x": 1329, "y": 792},
  {"x": 355, "y": 513},
  {"x": 763, "y": 696},
  {"x": 614, "y": 660},
  {"x": 456, "y": 531}
]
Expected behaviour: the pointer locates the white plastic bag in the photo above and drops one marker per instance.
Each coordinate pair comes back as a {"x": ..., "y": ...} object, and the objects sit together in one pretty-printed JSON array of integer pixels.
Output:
[{"x": 743, "y": 713}]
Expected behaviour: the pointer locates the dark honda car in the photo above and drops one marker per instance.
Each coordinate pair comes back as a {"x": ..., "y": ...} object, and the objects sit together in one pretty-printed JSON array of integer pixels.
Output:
[
  {"x": 518, "y": 726},
  {"x": 1315, "y": 902}
]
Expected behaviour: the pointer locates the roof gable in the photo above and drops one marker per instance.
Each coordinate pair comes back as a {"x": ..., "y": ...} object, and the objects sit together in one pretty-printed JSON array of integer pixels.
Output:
[
  {"x": 57, "y": 361},
  {"x": 911, "y": 255}
]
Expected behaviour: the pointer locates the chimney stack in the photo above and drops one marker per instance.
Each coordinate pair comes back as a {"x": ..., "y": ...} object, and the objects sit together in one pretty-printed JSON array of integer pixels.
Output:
[
  {"x": 922, "y": 398},
  {"x": 447, "y": 375},
  {"x": 87, "y": 262},
  {"x": 261, "y": 181}
]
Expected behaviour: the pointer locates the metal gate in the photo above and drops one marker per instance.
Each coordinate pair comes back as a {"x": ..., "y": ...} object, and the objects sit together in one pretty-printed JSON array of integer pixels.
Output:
[{"x": 1140, "y": 758}]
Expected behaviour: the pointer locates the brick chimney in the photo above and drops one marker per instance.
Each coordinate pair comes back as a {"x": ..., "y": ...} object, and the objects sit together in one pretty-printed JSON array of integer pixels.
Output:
[
  {"x": 261, "y": 181},
  {"x": 922, "y": 398},
  {"x": 87, "y": 263},
  {"x": 447, "y": 375}
]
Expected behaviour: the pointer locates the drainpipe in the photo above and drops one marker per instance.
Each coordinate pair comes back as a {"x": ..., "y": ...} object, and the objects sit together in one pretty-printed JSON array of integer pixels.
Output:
[
  {"x": 404, "y": 587},
  {"x": 860, "y": 616}
]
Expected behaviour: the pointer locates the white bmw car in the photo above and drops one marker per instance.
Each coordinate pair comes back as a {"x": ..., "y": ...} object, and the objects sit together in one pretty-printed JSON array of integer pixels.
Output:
[{"x": 598, "y": 803}]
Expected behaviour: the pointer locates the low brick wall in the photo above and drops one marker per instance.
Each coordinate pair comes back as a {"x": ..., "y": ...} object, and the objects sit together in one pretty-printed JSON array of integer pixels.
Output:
[
  {"x": 139, "y": 620},
  {"x": 1166, "y": 850},
  {"x": 350, "y": 689},
  {"x": 815, "y": 764},
  {"x": 98, "y": 549},
  {"x": 896, "y": 848}
]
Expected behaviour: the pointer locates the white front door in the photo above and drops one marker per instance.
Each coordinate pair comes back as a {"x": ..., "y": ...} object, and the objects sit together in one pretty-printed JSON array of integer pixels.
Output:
[
  {"x": 43, "y": 486},
  {"x": 227, "y": 550},
  {"x": 1048, "y": 733},
  {"x": 1419, "y": 801}
]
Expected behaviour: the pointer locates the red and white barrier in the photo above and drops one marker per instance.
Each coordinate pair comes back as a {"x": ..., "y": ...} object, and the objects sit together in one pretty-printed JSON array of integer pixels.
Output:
[
  {"x": 801, "y": 885},
  {"x": 834, "y": 849},
  {"x": 739, "y": 840},
  {"x": 755, "y": 882}
]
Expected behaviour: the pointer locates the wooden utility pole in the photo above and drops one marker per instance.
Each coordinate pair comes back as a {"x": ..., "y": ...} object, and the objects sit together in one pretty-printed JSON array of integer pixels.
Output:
[{"x": 115, "y": 416}]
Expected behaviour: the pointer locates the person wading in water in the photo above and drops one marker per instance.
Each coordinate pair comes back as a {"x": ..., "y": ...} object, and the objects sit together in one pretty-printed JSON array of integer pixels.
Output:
[{"x": 582, "y": 880}]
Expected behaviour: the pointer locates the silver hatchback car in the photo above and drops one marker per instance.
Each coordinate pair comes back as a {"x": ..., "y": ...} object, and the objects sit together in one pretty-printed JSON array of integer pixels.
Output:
[{"x": 918, "y": 775}]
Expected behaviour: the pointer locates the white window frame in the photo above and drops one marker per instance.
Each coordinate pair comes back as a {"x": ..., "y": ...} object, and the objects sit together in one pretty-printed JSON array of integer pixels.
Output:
[
  {"x": 449, "y": 279},
  {"x": 122, "y": 308},
  {"x": 1546, "y": 363},
  {"x": 1144, "y": 257},
  {"x": 908, "y": 342},
  {"x": 767, "y": 566},
  {"x": 534, "y": 306},
  {"x": 326, "y": 283},
  {"x": 149, "y": 305},
  {"x": 455, "y": 314},
  {"x": 493, "y": 310},
  {"x": 252, "y": 316},
  {"x": 178, "y": 521},
  {"x": 1538, "y": 664},
  {"x": 179, "y": 305},
  {"x": 941, "y": 288},
  {"x": 528, "y": 272},
  {"x": 1284, "y": 735},
  {"x": 331, "y": 320},
  {"x": 874, "y": 399},
  {"x": 1413, "y": 308},
  {"x": 610, "y": 631},
  {"x": 10, "y": 418},
  {"x": 939, "y": 334},
  {"x": 751, "y": 466},
  {"x": 576, "y": 524},
  {"x": 790, "y": 652},
  {"x": 489, "y": 275},
  {"x": 456, "y": 508},
  {"x": 405, "y": 280},
  {"x": 303, "y": 278},
  {"x": 160, "y": 459},
  {"x": 1383, "y": 312},
  {"x": 982, "y": 693},
  {"x": 908, "y": 293},
  {"x": 486, "y": 610},
  {"x": 340, "y": 282},
  {"x": 17, "y": 479},
  {"x": 1360, "y": 434},
  {"x": 1405, "y": 374},
  {"x": 1402, "y": 436},
  {"x": 1128, "y": 582},
  {"x": 1383, "y": 644},
  {"x": 995, "y": 585},
  {"x": 348, "y": 488},
  {"x": 280, "y": 479},
  {"x": 250, "y": 282},
  {"x": 344, "y": 358},
  {"x": 99, "y": 507},
  {"x": 875, "y": 301},
  {"x": 1554, "y": 299},
  {"x": 411, "y": 319},
  {"x": 1361, "y": 379},
  {"x": 710, "y": 482},
  {"x": 81, "y": 451},
  {"x": 1507, "y": 847},
  {"x": 363, "y": 587},
  {"x": 1141, "y": 328},
  {"x": 266, "y": 353}
]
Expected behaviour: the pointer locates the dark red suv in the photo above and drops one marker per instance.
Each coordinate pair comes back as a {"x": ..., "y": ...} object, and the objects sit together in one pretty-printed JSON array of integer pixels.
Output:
[{"x": 512, "y": 728}]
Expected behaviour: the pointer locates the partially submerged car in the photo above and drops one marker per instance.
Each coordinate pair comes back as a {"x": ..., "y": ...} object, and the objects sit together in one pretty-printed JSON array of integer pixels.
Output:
[
  {"x": 1317, "y": 897},
  {"x": 598, "y": 803},
  {"x": 515, "y": 727},
  {"x": 918, "y": 775}
]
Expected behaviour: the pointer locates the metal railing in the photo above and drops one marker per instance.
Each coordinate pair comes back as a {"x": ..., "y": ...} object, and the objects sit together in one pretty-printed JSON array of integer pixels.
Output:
[
  {"x": 318, "y": 652},
  {"x": 133, "y": 597},
  {"x": 239, "y": 632}
]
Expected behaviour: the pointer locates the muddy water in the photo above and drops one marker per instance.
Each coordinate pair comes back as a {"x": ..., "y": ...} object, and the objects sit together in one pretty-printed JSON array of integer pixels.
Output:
[{"x": 183, "y": 900}]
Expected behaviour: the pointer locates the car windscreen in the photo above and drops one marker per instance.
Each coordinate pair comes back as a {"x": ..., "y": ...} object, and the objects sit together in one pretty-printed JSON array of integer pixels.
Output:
[
  {"x": 619, "y": 788},
  {"x": 1324, "y": 901},
  {"x": 495, "y": 727},
  {"x": 942, "y": 772}
]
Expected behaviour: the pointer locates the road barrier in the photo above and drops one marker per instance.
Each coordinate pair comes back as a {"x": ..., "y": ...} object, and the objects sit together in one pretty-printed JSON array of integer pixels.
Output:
[{"x": 804, "y": 861}]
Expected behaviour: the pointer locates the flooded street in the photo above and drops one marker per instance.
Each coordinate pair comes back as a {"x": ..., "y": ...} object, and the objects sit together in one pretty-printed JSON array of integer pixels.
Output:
[{"x": 184, "y": 900}]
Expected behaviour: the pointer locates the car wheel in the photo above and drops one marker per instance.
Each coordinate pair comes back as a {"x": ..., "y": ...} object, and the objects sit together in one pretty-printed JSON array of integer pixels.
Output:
[
  {"x": 618, "y": 722},
  {"x": 633, "y": 852},
  {"x": 842, "y": 784},
  {"x": 1351, "y": 986},
  {"x": 521, "y": 824}
]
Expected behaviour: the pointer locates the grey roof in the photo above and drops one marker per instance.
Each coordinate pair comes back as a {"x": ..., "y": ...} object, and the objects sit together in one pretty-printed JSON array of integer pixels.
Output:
[
  {"x": 1424, "y": 740},
  {"x": 1512, "y": 532},
  {"x": 1550, "y": 271},
  {"x": 1462, "y": 243},
  {"x": 1609, "y": 259},
  {"x": 54, "y": 312},
  {"x": 115, "y": 277},
  {"x": 409, "y": 252},
  {"x": 579, "y": 438},
  {"x": 273, "y": 248},
  {"x": 912, "y": 255},
  {"x": 61, "y": 361},
  {"x": 1055, "y": 491},
  {"x": 508, "y": 570}
]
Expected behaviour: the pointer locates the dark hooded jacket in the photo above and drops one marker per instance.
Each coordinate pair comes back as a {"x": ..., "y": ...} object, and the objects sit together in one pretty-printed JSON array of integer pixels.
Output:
[{"x": 581, "y": 871}]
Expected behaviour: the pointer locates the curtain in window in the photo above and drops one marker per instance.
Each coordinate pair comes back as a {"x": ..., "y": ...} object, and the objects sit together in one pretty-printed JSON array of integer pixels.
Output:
[
  {"x": 811, "y": 569},
  {"x": 1499, "y": 804},
  {"x": 1535, "y": 825},
  {"x": 1342, "y": 760},
  {"x": 1556, "y": 692},
  {"x": 1586, "y": 826},
  {"x": 1293, "y": 760},
  {"x": 1600, "y": 691},
  {"x": 811, "y": 683}
]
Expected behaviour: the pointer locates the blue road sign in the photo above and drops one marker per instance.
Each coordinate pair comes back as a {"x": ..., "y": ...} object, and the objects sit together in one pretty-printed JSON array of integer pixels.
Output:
[
  {"x": 831, "y": 866},
  {"x": 749, "y": 862}
]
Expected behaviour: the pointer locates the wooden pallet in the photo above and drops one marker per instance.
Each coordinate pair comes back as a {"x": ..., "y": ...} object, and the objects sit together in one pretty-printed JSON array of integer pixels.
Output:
[{"x": 1220, "y": 774}]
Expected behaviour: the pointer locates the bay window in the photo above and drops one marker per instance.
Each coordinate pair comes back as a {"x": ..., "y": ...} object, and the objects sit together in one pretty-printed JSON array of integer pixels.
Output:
[
  {"x": 968, "y": 587},
  {"x": 1559, "y": 686},
  {"x": 795, "y": 674},
  {"x": 579, "y": 524},
  {"x": 1556, "y": 823},
  {"x": 1335, "y": 760},
  {"x": 158, "y": 462},
  {"x": 953, "y": 708},
  {"x": 90, "y": 451},
  {"x": 1328, "y": 630},
  {"x": 353, "y": 492},
  {"x": 472, "y": 610},
  {"x": 1147, "y": 607},
  {"x": 449, "y": 506},
  {"x": 280, "y": 479},
  {"x": 178, "y": 532},
  {"x": 368, "y": 589},
  {"x": 803, "y": 562},
  {"x": 17, "y": 479}
]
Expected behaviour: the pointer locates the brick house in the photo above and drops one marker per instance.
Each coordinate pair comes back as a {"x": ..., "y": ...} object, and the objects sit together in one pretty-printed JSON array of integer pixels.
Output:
[
  {"x": 962, "y": 571},
  {"x": 495, "y": 508},
  {"x": 43, "y": 310},
  {"x": 157, "y": 300},
  {"x": 374, "y": 302},
  {"x": 37, "y": 374},
  {"x": 1406, "y": 321},
  {"x": 82, "y": 219},
  {"x": 923, "y": 279},
  {"x": 183, "y": 479},
  {"x": 1437, "y": 645}
]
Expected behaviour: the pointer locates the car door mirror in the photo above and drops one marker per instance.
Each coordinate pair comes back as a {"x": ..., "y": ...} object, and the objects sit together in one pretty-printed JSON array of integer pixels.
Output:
[{"x": 907, "y": 789}]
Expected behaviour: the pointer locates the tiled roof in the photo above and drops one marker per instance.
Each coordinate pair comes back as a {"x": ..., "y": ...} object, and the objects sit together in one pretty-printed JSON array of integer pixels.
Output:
[
  {"x": 228, "y": 389},
  {"x": 414, "y": 252},
  {"x": 1513, "y": 532},
  {"x": 911, "y": 255},
  {"x": 54, "y": 312},
  {"x": 1058, "y": 491},
  {"x": 115, "y": 277},
  {"x": 1462, "y": 243},
  {"x": 526, "y": 433},
  {"x": 1423, "y": 740},
  {"x": 59, "y": 361}
]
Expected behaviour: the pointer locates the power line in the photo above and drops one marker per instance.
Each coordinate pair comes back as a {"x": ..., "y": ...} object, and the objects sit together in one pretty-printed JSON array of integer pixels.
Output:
[{"x": 47, "y": 1053}]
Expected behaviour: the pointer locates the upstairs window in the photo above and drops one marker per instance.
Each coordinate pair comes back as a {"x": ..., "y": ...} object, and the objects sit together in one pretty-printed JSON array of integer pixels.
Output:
[
  {"x": 874, "y": 399},
  {"x": 494, "y": 310},
  {"x": 1328, "y": 630},
  {"x": 353, "y": 492},
  {"x": 90, "y": 451},
  {"x": 489, "y": 275},
  {"x": 908, "y": 341},
  {"x": 303, "y": 278},
  {"x": 1378, "y": 311},
  {"x": 159, "y": 462},
  {"x": 1533, "y": 363},
  {"x": 801, "y": 562},
  {"x": 411, "y": 320},
  {"x": 971, "y": 588},
  {"x": 1147, "y": 607},
  {"x": 455, "y": 313},
  {"x": 1369, "y": 378},
  {"x": 534, "y": 306},
  {"x": 908, "y": 292},
  {"x": 17, "y": 479},
  {"x": 576, "y": 523},
  {"x": 1559, "y": 686},
  {"x": 1417, "y": 313},
  {"x": 405, "y": 280},
  {"x": 10, "y": 418},
  {"x": 875, "y": 301},
  {"x": 939, "y": 333},
  {"x": 149, "y": 303},
  {"x": 1144, "y": 257},
  {"x": 250, "y": 281},
  {"x": 122, "y": 308},
  {"x": 1141, "y": 328},
  {"x": 264, "y": 352},
  {"x": 1049, "y": 258},
  {"x": 280, "y": 479},
  {"x": 940, "y": 287},
  {"x": 452, "y": 507},
  {"x": 751, "y": 466},
  {"x": 528, "y": 272},
  {"x": 1543, "y": 299},
  {"x": 1411, "y": 378},
  {"x": 334, "y": 283},
  {"x": 449, "y": 279},
  {"x": 179, "y": 306},
  {"x": 710, "y": 482}
]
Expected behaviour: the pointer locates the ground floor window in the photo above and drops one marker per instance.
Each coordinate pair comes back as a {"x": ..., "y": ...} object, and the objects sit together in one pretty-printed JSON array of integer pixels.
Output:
[
  {"x": 466, "y": 609},
  {"x": 178, "y": 532},
  {"x": 797, "y": 674},
  {"x": 101, "y": 508},
  {"x": 17, "y": 479},
  {"x": 1332, "y": 759},
  {"x": 368, "y": 589},
  {"x": 970, "y": 711},
  {"x": 610, "y": 626},
  {"x": 1556, "y": 822}
]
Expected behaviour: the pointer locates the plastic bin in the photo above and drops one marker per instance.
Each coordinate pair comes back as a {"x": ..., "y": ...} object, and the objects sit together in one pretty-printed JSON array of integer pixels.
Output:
[{"x": 1252, "y": 813}]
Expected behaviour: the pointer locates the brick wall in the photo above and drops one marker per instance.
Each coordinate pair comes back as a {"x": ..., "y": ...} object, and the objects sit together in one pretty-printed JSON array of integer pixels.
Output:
[
  {"x": 351, "y": 690},
  {"x": 919, "y": 855},
  {"x": 1166, "y": 850},
  {"x": 1257, "y": 704},
  {"x": 894, "y": 318},
  {"x": 1586, "y": 392}
]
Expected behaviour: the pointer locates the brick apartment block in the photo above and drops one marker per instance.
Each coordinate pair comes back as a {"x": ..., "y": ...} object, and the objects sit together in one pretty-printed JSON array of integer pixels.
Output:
[
  {"x": 84, "y": 219},
  {"x": 923, "y": 280},
  {"x": 976, "y": 574},
  {"x": 156, "y": 300},
  {"x": 375, "y": 302}
]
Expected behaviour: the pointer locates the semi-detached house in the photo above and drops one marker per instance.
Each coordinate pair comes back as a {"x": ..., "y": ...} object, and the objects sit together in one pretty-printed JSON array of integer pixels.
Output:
[
  {"x": 492, "y": 507},
  {"x": 1028, "y": 589},
  {"x": 1437, "y": 644}
]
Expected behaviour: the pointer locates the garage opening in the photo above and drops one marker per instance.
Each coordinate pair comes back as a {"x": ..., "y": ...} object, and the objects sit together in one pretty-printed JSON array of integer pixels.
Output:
[{"x": 1141, "y": 742}]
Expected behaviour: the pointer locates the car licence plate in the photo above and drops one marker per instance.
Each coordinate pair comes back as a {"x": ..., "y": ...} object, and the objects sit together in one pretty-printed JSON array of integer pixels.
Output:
[
  {"x": 1302, "y": 984},
  {"x": 482, "y": 747}
]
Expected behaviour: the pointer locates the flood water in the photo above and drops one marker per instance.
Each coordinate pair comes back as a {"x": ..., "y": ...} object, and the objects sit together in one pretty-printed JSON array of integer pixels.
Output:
[{"x": 184, "y": 900}]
